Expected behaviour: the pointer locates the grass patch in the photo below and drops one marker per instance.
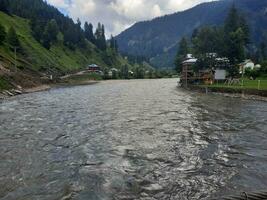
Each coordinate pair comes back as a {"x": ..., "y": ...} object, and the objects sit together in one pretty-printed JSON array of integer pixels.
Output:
[
  {"x": 82, "y": 79},
  {"x": 4, "y": 85},
  {"x": 246, "y": 84},
  {"x": 35, "y": 57}
]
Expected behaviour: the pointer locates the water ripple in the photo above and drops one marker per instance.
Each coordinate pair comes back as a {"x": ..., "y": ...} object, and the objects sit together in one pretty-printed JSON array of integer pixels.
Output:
[{"x": 120, "y": 140}]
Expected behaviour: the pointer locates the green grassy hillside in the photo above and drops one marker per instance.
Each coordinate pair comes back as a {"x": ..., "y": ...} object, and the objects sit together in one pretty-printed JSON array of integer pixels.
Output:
[{"x": 33, "y": 59}]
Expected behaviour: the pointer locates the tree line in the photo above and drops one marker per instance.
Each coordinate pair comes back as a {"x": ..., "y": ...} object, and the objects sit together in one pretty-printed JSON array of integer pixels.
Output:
[
  {"x": 232, "y": 40},
  {"x": 47, "y": 22}
]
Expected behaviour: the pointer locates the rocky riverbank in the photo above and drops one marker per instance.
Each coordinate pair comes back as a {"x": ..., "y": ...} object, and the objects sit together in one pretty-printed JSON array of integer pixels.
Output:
[{"x": 13, "y": 92}]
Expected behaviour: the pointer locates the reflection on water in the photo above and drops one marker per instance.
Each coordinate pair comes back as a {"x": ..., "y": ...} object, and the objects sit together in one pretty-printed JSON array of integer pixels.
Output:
[{"x": 141, "y": 139}]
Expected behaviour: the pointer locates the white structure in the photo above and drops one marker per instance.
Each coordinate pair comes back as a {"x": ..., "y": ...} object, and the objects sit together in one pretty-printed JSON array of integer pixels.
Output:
[
  {"x": 247, "y": 64},
  {"x": 188, "y": 56},
  {"x": 220, "y": 74},
  {"x": 112, "y": 71},
  {"x": 211, "y": 55},
  {"x": 258, "y": 66},
  {"x": 190, "y": 59}
]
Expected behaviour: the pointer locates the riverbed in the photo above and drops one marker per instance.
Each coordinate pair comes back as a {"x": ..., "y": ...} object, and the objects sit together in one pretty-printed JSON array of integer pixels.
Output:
[{"x": 136, "y": 139}]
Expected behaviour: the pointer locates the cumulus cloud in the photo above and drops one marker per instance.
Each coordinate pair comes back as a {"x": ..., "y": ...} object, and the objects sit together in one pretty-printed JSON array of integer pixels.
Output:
[
  {"x": 59, "y": 3},
  {"x": 118, "y": 15}
]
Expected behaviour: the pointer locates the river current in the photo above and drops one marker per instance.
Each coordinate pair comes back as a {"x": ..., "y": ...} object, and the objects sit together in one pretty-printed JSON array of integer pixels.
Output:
[{"x": 136, "y": 139}]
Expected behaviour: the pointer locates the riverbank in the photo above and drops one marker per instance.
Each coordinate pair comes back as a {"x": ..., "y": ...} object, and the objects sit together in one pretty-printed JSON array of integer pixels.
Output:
[
  {"x": 43, "y": 87},
  {"x": 249, "y": 94}
]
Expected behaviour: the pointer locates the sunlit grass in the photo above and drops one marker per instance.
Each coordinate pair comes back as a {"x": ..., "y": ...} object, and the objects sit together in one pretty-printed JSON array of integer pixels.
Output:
[{"x": 260, "y": 84}]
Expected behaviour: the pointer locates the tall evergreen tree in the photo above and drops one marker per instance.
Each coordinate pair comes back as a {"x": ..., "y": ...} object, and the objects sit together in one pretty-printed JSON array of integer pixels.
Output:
[
  {"x": 103, "y": 38},
  {"x": 2, "y": 34},
  {"x": 183, "y": 50},
  {"x": 12, "y": 38},
  {"x": 79, "y": 35},
  {"x": 88, "y": 32},
  {"x": 100, "y": 37},
  {"x": 116, "y": 46},
  {"x": 37, "y": 29},
  {"x": 113, "y": 43},
  {"x": 231, "y": 23},
  {"x": 52, "y": 30},
  {"x": 69, "y": 38},
  {"x": 50, "y": 33},
  {"x": 207, "y": 40},
  {"x": 236, "y": 36}
]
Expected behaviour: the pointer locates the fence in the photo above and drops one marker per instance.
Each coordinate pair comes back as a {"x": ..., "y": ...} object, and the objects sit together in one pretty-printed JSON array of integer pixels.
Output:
[{"x": 246, "y": 84}]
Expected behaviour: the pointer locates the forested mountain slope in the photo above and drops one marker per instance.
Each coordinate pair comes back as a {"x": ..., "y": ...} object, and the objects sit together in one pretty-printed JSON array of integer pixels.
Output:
[
  {"x": 38, "y": 54},
  {"x": 157, "y": 39}
]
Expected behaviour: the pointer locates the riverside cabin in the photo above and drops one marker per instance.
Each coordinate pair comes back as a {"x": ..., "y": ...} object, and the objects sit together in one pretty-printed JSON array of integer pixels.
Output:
[
  {"x": 206, "y": 74},
  {"x": 187, "y": 76},
  {"x": 93, "y": 68}
]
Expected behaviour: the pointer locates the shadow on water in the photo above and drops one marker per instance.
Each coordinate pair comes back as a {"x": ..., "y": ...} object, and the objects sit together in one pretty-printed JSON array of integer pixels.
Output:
[{"x": 130, "y": 140}]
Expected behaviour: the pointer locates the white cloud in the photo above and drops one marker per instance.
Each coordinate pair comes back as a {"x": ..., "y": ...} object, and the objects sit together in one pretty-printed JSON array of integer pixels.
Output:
[
  {"x": 120, "y": 14},
  {"x": 80, "y": 8},
  {"x": 59, "y": 3}
]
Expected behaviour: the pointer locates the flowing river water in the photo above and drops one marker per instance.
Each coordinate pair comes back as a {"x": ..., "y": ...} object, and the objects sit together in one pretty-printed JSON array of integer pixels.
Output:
[{"x": 144, "y": 139}]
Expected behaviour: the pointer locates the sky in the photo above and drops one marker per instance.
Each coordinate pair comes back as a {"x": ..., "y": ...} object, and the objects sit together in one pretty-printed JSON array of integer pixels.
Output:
[{"x": 117, "y": 15}]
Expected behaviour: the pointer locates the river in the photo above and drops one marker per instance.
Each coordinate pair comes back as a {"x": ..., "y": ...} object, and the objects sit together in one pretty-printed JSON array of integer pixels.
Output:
[{"x": 137, "y": 139}]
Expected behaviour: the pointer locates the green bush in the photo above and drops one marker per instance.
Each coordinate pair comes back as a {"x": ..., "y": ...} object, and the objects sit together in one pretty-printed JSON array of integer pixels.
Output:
[{"x": 4, "y": 85}]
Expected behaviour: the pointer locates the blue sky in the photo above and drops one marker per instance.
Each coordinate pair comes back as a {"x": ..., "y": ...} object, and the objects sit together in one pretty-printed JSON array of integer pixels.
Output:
[{"x": 117, "y": 15}]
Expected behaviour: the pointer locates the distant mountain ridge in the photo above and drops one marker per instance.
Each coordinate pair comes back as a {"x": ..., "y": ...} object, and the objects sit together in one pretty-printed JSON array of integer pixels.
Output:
[{"x": 157, "y": 39}]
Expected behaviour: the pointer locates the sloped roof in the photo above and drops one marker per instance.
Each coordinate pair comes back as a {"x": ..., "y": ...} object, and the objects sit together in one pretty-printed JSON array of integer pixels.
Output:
[
  {"x": 191, "y": 60},
  {"x": 93, "y": 65}
]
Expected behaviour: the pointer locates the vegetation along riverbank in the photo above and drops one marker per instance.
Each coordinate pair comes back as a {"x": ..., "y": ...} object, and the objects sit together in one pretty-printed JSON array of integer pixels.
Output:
[{"x": 224, "y": 59}]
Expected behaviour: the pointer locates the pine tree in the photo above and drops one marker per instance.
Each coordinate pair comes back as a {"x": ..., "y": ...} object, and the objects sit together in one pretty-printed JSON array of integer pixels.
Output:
[
  {"x": 116, "y": 46},
  {"x": 52, "y": 30},
  {"x": 183, "y": 50},
  {"x": 2, "y": 34},
  {"x": 112, "y": 41},
  {"x": 88, "y": 32},
  {"x": 69, "y": 38},
  {"x": 37, "y": 30},
  {"x": 100, "y": 37},
  {"x": 79, "y": 35},
  {"x": 50, "y": 33},
  {"x": 207, "y": 40},
  {"x": 236, "y": 36},
  {"x": 12, "y": 38},
  {"x": 103, "y": 39},
  {"x": 231, "y": 23},
  {"x": 113, "y": 44},
  {"x": 237, "y": 45}
]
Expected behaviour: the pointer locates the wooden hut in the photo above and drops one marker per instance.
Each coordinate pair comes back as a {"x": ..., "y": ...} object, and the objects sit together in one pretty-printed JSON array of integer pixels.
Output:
[{"x": 188, "y": 75}]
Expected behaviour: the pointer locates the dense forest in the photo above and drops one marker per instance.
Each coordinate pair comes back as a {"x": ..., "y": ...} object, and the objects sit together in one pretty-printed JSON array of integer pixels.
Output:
[
  {"x": 37, "y": 40},
  {"x": 230, "y": 41},
  {"x": 158, "y": 39},
  {"x": 46, "y": 22}
]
